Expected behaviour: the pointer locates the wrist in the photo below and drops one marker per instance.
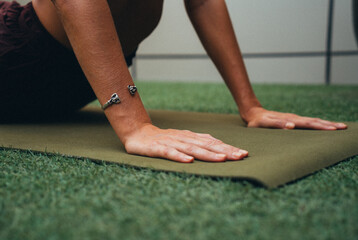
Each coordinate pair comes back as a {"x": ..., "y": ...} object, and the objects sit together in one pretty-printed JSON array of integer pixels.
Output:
[
  {"x": 126, "y": 136},
  {"x": 126, "y": 127},
  {"x": 127, "y": 119},
  {"x": 246, "y": 109},
  {"x": 248, "y": 112}
]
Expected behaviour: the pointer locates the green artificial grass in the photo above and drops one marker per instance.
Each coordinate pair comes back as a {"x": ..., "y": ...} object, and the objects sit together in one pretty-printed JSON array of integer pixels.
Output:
[{"x": 44, "y": 196}]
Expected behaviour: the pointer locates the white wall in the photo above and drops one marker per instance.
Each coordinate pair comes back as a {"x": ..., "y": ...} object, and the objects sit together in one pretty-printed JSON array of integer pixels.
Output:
[
  {"x": 275, "y": 26},
  {"x": 344, "y": 68},
  {"x": 261, "y": 26},
  {"x": 19, "y": 1}
]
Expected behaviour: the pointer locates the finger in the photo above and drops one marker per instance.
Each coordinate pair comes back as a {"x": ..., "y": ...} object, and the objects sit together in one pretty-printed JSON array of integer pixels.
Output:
[
  {"x": 170, "y": 153},
  {"x": 233, "y": 153},
  {"x": 337, "y": 125},
  {"x": 334, "y": 124},
  {"x": 217, "y": 146},
  {"x": 314, "y": 124},
  {"x": 205, "y": 135},
  {"x": 322, "y": 121},
  {"x": 340, "y": 125},
  {"x": 196, "y": 151},
  {"x": 193, "y": 134}
]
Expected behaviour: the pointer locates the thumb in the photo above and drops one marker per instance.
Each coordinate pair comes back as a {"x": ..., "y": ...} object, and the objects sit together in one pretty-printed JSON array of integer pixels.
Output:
[{"x": 290, "y": 125}]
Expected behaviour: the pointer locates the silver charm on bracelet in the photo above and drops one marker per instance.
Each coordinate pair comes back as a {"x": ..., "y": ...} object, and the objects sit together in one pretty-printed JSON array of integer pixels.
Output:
[
  {"x": 114, "y": 100},
  {"x": 132, "y": 89}
]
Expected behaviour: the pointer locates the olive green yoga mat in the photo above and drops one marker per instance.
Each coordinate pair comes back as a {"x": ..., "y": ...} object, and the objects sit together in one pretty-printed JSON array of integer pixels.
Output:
[{"x": 276, "y": 156}]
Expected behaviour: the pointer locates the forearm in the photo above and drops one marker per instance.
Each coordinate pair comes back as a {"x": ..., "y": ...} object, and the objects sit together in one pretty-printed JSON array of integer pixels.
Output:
[
  {"x": 212, "y": 23},
  {"x": 90, "y": 29}
]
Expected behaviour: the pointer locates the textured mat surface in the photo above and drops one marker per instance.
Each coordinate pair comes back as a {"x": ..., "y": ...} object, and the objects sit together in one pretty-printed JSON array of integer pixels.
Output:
[{"x": 276, "y": 156}]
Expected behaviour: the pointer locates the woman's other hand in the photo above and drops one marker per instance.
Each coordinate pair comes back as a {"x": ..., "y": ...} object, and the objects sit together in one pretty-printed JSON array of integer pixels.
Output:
[
  {"x": 260, "y": 117},
  {"x": 180, "y": 145}
]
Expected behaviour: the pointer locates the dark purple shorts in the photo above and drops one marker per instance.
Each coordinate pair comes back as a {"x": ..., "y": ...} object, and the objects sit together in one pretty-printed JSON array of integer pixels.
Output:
[{"x": 38, "y": 76}]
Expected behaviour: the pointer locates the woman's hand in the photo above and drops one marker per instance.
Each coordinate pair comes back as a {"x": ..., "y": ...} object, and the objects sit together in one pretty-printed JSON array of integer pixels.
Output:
[
  {"x": 260, "y": 117},
  {"x": 180, "y": 145}
]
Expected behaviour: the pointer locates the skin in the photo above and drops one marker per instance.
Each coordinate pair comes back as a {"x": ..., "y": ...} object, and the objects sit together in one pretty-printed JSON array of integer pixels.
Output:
[{"x": 119, "y": 26}]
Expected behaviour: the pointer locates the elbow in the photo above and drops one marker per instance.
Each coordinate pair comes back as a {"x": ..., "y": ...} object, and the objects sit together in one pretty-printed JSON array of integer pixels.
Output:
[
  {"x": 192, "y": 6},
  {"x": 59, "y": 3},
  {"x": 64, "y": 4},
  {"x": 195, "y": 4}
]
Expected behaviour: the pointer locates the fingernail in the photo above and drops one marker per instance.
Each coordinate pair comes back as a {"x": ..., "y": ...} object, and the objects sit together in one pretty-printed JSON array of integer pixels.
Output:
[
  {"x": 220, "y": 156},
  {"x": 237, "y": 154},
  {"x": 331, "y": 128},
  {"x": 188, "y": 158},
  {"x": 341, "y": 125},
  {"x": 290, "y": 125},
  {"x": 244, "y": 152}
]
